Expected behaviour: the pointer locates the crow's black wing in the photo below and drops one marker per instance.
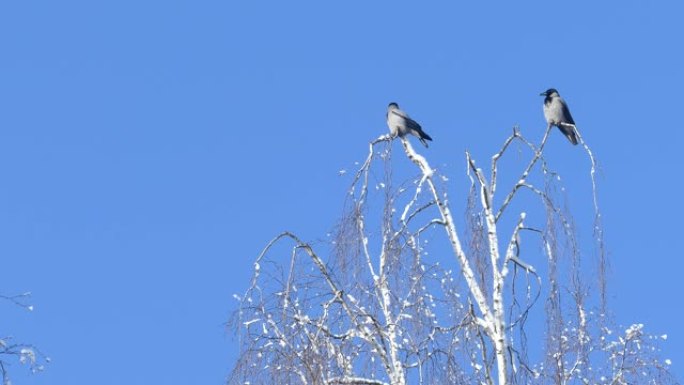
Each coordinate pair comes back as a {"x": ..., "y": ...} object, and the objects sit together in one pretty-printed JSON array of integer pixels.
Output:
[{"x": 566, "y": 113}]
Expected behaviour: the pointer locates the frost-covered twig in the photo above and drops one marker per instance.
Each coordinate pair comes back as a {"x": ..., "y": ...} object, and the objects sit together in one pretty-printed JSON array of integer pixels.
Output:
[
  {"x": 598, "y": 228},
  {"x": 526, "y": 172},
  {"x": 495, "y": 158},
  {"x": 26, "y": 354},
  {"x": 19, "y": 300},
  {"x": 594, "y": 166},
  {"x": 366, "y": 164}
]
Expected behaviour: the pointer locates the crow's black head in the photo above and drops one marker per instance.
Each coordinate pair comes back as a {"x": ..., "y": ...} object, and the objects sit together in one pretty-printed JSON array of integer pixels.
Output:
[{"x": 550, "y": 92}]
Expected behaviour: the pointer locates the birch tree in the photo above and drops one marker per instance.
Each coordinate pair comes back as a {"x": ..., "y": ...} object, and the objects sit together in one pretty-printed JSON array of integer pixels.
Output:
[{"x": 403, "y": 292}]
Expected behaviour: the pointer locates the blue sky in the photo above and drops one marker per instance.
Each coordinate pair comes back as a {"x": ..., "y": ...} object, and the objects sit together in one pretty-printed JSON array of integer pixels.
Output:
[{"x": 149, "y": 150}]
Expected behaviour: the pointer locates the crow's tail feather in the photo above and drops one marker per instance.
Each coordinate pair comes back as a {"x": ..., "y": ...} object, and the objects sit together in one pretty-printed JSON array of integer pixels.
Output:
[
  {"x": 423, "y": 137},
  {"x": 569, "y": 132}
]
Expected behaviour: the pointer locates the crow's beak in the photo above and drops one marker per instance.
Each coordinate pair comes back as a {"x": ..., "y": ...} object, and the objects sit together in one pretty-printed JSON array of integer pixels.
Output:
[{"x": 543, "y": 94}]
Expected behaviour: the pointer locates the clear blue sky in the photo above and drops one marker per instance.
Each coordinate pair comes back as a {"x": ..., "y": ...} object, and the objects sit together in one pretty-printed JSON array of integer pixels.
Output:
[{"x": 149, "y": 149}]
